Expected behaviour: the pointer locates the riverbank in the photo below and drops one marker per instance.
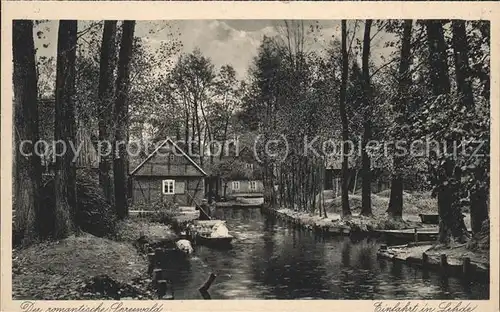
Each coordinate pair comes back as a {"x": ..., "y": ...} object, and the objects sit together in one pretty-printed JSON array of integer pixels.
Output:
[
  {"x": 470, "y": 261},
  {"x": 88, "y": 267},
  {"x": 333, "y": 223}
]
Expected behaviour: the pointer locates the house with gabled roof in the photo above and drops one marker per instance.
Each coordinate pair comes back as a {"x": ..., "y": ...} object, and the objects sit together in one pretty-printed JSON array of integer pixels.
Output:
[
  {"x": 168, "y": 174},
  {"x": 333, "y": 174},
  {"x": 242, "y": 175}
]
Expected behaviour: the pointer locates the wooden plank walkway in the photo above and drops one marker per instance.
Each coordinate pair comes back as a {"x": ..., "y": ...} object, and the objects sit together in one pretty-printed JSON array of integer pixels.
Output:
[
  {"x": 234, "y": 204},
  {"x": 409, "y": 235},
  {"x": 185, "y": 213},
  {"x": 425, "y": 234}
]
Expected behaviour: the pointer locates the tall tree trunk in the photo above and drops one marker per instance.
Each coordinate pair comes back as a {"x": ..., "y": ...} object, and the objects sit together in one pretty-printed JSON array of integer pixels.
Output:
[
  {"x": 121, "y": 119},
  {"x": 439, "y": 77},
  {"x": 484, "y": 76},
  {"x": 479, "y": 203},
  {"x": 193, "y": 130},
  {"x": 451, "y": 224},
  {"x": 186, "y": 124},
  {"x": 106, "y": 103},
  {"x": 208, "y": 133},
  {"x": 366, "y": 204},
  {"x": 479, "y": 197},
  {"x": 224, "y": 139},
  {"x": 346, "y": 211},
  {"x": 395, "y": 209},
  {"x": 198, "y": 131},
  {"x": 65, "y": 174},
  {"x": 26, "y": 170}
]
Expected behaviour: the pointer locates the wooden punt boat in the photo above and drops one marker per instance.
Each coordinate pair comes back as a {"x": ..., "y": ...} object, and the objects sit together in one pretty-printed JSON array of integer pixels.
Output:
[
  {"x": 409, "y": 235},
  {"x": 224, "y": 241}
]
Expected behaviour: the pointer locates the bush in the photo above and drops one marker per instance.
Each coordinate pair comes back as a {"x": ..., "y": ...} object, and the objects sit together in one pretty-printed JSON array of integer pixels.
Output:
[
  {"x": 163, "y": 211},
  {"x": 94, "y": 214}
]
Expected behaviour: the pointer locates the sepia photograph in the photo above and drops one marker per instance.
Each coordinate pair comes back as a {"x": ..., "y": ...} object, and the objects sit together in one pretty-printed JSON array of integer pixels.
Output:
[{"x": 261, "y": 159}]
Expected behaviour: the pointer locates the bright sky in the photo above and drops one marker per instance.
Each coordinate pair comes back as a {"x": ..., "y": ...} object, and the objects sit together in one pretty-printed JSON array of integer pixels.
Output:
[{"x": 232, "y": 42}]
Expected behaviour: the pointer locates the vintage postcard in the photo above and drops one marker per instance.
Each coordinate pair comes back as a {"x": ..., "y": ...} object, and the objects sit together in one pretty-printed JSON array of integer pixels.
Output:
[{"x": 250, "y": 156}]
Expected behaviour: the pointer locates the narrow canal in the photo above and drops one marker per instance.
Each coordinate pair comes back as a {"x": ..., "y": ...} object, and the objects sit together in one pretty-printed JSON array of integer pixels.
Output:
[{"x": 271, "y": 261}]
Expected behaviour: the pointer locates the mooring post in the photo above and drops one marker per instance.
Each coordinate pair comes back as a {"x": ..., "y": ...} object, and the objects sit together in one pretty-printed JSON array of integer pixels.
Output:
[
  {"x": 156, "y": 276},
  {"x": 162, "y": 288},
  {"x": 466, "y": 267},
  {"x": 444, "y": 263},
  {"x": 415, "y": 235},
  {"x": 172, "y": 296},
  {"x": 192, "y": 235},
  {"x": 208, "y": 283},
  {"x": 158, "y": 255},
  {"x": 425, "y": 259},
  {"x": 151, "y": 262}
]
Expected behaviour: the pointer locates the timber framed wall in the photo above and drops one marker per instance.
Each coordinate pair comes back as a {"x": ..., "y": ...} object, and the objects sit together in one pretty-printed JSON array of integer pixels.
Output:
[
  {"x": 168, "y": 162},
  {"x": 148, "y": 190}
]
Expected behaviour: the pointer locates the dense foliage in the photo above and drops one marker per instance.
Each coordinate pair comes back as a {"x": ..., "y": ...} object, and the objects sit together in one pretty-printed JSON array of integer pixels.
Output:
[{"x": 95, "y": 215}]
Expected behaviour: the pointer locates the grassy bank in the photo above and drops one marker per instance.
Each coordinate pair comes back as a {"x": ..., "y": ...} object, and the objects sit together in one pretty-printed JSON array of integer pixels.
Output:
[
  {"x": 355, "y": 223},
  {"x": 64, "y": 269},
  {"x": 86, "y": 266},
  {"x": 413, "y": 203}
]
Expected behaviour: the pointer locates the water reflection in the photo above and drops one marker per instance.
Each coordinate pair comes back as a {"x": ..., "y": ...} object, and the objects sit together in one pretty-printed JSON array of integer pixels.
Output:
[
  {"x": 271, "y": 260},
  {"x": 346, "y": 253}
]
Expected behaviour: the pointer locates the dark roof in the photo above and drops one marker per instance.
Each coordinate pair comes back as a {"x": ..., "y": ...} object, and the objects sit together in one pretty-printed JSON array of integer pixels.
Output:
[{"x": 168, "y": 140}]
